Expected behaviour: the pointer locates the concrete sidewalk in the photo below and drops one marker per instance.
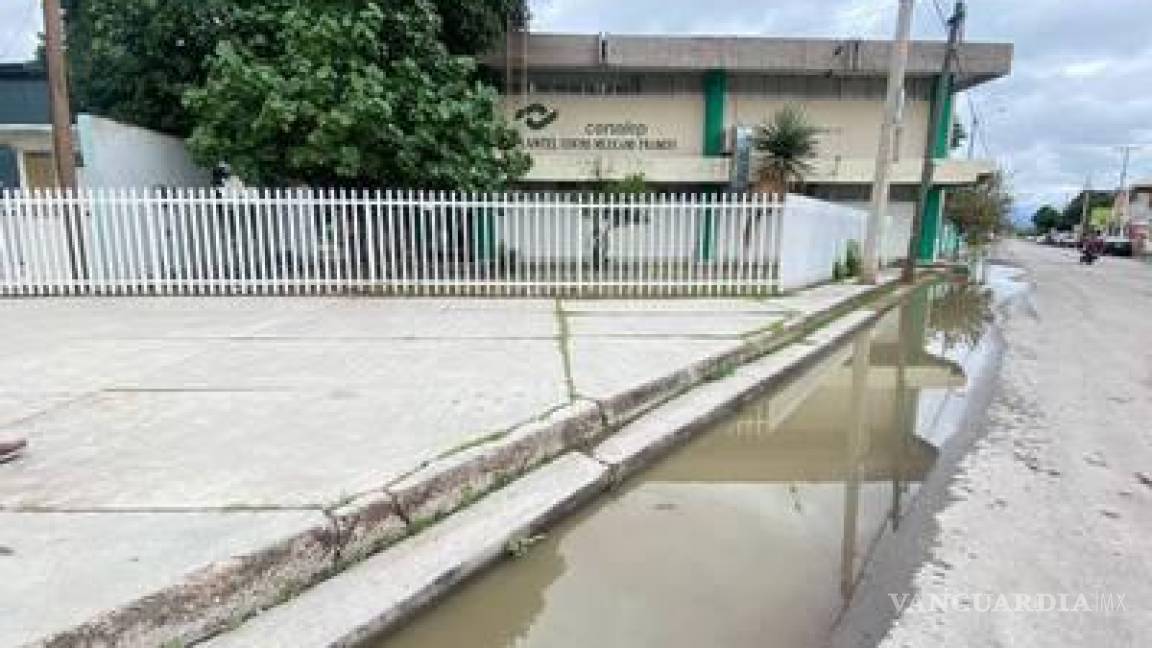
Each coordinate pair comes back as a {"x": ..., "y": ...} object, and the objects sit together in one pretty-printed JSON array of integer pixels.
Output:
[{"x": 194, "y": 460}]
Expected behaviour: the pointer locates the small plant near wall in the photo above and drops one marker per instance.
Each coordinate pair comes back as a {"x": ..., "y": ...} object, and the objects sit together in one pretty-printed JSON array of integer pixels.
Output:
[
  {"x": 849, "y": 266},
  {"x": 606, "y": 219},
  {"x": 852, "y": 259},
  {"x": 633, "y": 183},
  {"x": 837, "y": 270}
]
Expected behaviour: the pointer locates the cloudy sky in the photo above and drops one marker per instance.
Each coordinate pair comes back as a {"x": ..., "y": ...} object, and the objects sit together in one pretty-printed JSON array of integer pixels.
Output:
[{"x": 1079, "y": 89}]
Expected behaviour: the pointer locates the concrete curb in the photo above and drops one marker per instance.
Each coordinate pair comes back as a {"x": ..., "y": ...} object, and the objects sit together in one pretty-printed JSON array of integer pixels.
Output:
[
  {"x": 221, "y": 596},
  {"x": 448, "y": 484},
  {"x": 214, "y": 597},
  {"x": 630, "y": 449},
  {"x": 663, "y": 429},
  {"x": 387, "y": 588}
]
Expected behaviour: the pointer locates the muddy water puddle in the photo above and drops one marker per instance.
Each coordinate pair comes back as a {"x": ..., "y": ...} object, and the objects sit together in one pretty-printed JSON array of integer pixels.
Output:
[{"x": 755, "y": 533}]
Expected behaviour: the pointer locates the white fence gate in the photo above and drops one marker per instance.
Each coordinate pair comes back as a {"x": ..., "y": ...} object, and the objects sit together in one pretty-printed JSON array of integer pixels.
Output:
[{"x": 208, "y": 242}]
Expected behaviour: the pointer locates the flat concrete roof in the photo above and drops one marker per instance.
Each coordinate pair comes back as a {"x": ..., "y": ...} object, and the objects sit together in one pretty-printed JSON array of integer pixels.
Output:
[{"x": 979, "y": 62}]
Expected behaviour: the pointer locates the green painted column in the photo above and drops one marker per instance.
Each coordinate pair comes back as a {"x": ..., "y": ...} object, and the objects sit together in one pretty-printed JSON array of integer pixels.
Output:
[
  {"x": 715, "y": 97},
  {"x": 484, "y": 238},
  {"x": 933, "y": 212},
  {"x": 715, "y": 100},
  {"x": 930, "y": 228},
  {"x": 707, "y": 237}
]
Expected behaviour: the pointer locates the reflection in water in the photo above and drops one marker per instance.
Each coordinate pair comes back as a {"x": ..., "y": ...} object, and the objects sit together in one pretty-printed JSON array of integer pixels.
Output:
[
  {"x": 756, "y": 532},
  {"x": 960, "y": 313}
]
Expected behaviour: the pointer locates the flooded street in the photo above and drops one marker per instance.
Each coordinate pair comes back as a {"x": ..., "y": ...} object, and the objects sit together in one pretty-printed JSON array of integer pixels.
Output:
[{"x": 756, "y": 532}]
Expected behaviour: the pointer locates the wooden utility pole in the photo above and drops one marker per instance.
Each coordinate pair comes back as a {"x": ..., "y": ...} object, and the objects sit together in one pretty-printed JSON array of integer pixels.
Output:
[
  {"x": 972, "y": 135},
  {"x": 62, "y": 148},
  {"x": 898, "y": 64},
  {"x": 1120, "y": 210},
  {"x": 943, "y": 89},
  {"x": 1085, "y": 209}
]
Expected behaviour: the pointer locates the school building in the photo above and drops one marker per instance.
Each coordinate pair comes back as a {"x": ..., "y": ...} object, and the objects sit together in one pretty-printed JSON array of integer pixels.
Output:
[{"x": 679, "y": 110}]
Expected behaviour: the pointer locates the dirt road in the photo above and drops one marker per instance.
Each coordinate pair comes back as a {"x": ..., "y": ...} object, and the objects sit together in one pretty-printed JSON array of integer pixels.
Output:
[{"x": 1054, "y": 504}]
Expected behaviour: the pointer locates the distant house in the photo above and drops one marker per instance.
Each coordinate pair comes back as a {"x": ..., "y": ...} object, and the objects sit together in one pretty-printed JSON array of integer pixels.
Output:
[
  {"x": 1140, "y": 216},
  {"x": 111, "y": 154},
  {"x": 25, "y": 128}
]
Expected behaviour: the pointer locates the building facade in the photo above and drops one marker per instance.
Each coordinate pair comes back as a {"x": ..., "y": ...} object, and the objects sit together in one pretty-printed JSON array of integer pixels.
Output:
[
  {"x": 678, "y": 110},
  {"x": 25, "y": 128}
]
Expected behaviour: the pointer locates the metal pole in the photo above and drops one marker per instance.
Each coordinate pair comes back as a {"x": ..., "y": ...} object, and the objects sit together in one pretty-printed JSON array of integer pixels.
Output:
[
  {"x": 1120, "y": 210},
  {"x": 972, "y": 136},
  {"x": 62, "y": 147},
  {"x": 897, "y": 66},
  {"x": 943, "y": 89},
  {"x": 1084, "y": 210},
  {"x": 1124, "y": 167}
]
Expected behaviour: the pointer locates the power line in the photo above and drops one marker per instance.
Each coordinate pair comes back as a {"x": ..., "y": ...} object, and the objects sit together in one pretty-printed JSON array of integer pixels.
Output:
[
  {"x": 940, "y": 14},
  {"x": 979, "y": 132}
]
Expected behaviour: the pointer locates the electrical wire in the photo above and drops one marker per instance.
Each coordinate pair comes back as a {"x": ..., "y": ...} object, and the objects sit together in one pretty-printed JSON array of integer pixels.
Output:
[{"x": 979, "y": 126}]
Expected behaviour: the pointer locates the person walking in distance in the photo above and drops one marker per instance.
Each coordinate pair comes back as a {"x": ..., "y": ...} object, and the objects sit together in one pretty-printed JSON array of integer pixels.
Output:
[{"x": 10, "y": 450}]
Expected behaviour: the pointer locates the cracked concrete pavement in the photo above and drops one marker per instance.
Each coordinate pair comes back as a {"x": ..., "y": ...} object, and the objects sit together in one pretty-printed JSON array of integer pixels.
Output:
[{"x": 170, "y": 434}]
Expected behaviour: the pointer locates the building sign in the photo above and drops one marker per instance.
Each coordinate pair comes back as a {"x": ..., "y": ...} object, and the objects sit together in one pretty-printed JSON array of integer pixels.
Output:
[
  {"x": 623, "y": 136},
  {"x": 537, "y": 116}
]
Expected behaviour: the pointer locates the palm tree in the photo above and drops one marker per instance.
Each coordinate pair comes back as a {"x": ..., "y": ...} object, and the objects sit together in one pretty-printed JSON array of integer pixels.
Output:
[{"x": 787, "y": 144}]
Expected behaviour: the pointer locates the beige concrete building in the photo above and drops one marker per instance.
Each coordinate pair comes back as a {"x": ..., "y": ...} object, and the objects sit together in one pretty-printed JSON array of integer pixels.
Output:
[{"x": 602, "y": 107}]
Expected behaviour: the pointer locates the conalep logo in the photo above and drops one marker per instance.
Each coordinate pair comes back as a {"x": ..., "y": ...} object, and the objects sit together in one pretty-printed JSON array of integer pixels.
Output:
[{"x": 537, "y": 116}]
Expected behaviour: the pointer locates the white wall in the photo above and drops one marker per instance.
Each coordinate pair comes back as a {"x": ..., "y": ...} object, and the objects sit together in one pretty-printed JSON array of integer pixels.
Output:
[
  {"x": 124, "y": 157},
  {"x": 816, "y": 235},
  {"x": 897, "y": 229},
  {"x": 121, "y": 156}
]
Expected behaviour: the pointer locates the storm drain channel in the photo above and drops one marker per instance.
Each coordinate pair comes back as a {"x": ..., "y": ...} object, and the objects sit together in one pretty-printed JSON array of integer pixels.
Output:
[{"x": 756, "y": 532}]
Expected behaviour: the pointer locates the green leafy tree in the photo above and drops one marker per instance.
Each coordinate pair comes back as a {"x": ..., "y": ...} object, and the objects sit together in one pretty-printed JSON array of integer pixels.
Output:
[
  {"x": 1074, "y": 213},
  {"x": 1046, "y": 218},
  {"x": 476, "y": 26},
  {"x": 133, "y": 60},
  {"x": 980, "y": 211},
  {"x": 324, "y": 93},
  {"x": 787, "y": 144}
]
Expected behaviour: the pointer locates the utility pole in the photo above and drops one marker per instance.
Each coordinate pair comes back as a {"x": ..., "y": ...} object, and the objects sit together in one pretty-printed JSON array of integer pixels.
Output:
[
  {"x": 1127, "y": 150},
  {"x": 62, "y": 147},
  {"x": 880, "y": 186},
  {"x": 1084, "y": 208},
  {"x": 1120, "y": 210},
  {"x": 943, "y": 89},
  {"x": 972, "y": 136}
]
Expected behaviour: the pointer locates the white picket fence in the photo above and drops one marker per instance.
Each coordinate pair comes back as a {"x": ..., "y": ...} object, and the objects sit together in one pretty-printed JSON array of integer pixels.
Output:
[{"x": 296, "y": 242}]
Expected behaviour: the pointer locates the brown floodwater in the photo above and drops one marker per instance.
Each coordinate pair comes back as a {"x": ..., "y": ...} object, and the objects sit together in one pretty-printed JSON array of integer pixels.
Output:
[{"x": 753, "y": 534}]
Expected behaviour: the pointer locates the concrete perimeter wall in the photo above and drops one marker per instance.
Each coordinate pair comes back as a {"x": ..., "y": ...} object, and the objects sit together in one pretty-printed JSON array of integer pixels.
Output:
[
  {"x": 122, "y": 156},
  {"x": 818, "y": 233}
]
